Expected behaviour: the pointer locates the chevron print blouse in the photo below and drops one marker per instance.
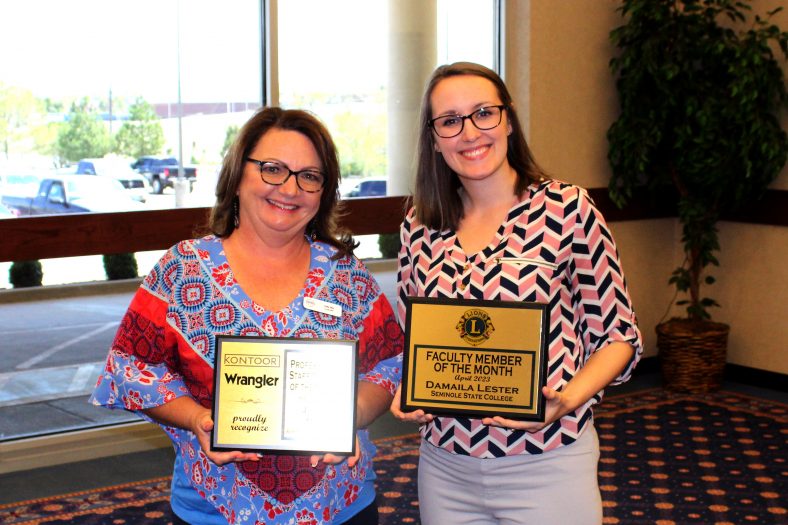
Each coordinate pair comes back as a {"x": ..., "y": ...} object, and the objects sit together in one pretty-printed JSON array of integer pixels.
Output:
[{"x": 554, "y": 247}]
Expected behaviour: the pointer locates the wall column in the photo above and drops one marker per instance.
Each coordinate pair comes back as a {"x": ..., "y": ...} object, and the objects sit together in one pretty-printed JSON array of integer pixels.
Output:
[
  {"x": 412, "y": 58},
  {"x": 517, "y": 56}
]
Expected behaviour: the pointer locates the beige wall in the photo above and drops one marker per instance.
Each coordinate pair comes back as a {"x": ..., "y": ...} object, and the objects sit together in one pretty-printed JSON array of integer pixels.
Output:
[
  {"x": 557, "y": 58},
  {"x": 753, "y": 292}
]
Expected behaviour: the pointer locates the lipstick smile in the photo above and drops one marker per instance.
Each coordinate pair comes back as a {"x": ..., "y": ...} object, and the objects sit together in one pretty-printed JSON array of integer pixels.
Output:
[
  {"x": 282, "y": 206},
  {"x": 475, "y": 153}
]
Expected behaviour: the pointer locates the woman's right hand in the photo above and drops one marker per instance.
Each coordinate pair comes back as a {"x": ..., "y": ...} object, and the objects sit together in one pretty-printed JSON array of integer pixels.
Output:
[
  {"x": 186, "y": 413},
  {"x": 202, "y": 424},
  {"x": 417, "y": 416}
]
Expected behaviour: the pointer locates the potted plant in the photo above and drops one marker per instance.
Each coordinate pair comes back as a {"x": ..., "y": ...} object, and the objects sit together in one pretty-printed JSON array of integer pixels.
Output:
[
  {"x": 25, "y": 274},
  {"x": 389, "y": 245},
  {"x": 700, "y": 90},
  {"x": 120, "y": 266}
]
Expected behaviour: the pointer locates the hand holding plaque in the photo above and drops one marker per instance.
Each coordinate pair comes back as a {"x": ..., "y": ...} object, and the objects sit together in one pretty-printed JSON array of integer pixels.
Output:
[{"x": 476, "y": 358}]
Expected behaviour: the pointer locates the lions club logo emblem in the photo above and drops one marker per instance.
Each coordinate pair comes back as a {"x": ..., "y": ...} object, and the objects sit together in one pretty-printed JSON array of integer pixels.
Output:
[{"x": 475, "y": 327}]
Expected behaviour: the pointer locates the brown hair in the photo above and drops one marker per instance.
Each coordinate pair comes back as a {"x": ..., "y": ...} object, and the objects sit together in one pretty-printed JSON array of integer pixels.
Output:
[
  {"x": 324, "y": 225},
  {"x": 437, "y": 202}
]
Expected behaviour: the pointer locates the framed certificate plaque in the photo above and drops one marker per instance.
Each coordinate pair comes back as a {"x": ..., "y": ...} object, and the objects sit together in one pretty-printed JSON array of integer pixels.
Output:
[
  {"x": 475, "y": 358},
  {"x": 285, "y": 395}
]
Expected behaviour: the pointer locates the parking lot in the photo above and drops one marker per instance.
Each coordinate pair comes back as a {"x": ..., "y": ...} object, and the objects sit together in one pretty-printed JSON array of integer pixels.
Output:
[
  {"x": 52, "y": 350},
  {"x": 53, "y": 347}
]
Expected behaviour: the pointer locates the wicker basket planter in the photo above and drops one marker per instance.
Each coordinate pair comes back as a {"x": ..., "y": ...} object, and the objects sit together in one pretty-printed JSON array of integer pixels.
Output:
[{"x": 692, "y": 354}]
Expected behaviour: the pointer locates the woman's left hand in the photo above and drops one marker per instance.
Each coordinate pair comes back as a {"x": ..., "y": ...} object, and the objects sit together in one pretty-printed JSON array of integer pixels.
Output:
[
  {"x": 557, "y": 405},
  {"x": 331, "y": 459},
  {"x": 600, "y": 369}
]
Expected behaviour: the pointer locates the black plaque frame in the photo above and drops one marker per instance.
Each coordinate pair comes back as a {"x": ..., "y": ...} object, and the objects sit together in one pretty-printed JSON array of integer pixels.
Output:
[{"x": 464, "y": 395}]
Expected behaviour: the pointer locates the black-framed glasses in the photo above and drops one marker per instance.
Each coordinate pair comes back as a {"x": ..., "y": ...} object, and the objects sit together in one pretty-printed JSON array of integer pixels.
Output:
[
  {"x": 276, "y": 174},
  {"x": 448, "y": 126}
]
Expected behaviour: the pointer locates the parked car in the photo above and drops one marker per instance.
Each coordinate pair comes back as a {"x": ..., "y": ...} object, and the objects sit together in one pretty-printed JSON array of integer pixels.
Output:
[
  {"x": 21, "y": 183},
  {"x": 368, "y": 188},
  {"x": 136, "y": 185},
  {"x": 73, "y": 194},
  {"x": 5, "y": 212},
  {"x": 162, "y": 172},
  {"x": 16, "y": 184}
]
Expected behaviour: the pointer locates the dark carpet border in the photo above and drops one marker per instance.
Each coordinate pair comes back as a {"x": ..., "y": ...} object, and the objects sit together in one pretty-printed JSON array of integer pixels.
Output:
[{"x": 137, "y": 502}]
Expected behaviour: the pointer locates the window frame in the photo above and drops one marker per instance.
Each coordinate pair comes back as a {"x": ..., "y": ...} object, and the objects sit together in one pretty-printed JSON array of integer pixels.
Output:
[{"x": 68, "y": 235}]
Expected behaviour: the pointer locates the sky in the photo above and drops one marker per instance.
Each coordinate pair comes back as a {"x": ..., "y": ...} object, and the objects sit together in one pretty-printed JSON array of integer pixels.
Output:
[
  {"x": 83, "y": 47},
  {"x": 89, "y": 47},
  {"x": 78, "y": 47}
]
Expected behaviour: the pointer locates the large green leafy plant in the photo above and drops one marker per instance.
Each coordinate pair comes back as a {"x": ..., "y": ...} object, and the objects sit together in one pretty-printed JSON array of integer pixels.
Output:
[{"x": 700, "y": 92}]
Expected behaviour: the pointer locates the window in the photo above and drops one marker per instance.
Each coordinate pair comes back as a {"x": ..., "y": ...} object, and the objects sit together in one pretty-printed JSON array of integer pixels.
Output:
[
  {"x": 171, "y": 78},
  {"x": 106, "y": 83},
  {"x": 350, "y": 62},
  {"x": 83, "y": 93},
  {"x": 361, "y": 67},
  {"x": 176, "y": 79}
]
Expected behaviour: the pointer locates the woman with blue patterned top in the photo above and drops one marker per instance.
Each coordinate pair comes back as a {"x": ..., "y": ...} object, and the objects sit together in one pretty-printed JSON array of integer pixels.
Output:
[{"x": 273, "y": 253}]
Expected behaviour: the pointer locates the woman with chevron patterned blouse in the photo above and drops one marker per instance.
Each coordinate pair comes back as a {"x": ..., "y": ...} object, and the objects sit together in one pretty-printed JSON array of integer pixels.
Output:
[
  {"x": 488, "y": 225},
  {"x": 273, "y": 266}
]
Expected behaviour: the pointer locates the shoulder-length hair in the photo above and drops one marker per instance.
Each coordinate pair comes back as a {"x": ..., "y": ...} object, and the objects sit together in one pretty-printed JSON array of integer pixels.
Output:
[
  {"x": 324, "y": 225},
  {"x": 436, "y": 200}
]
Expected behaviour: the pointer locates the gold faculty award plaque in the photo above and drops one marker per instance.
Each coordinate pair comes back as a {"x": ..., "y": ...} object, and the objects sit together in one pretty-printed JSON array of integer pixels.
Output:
[
  {"x": 475, "y": 358},
  {"x": 285, "y": 395}
]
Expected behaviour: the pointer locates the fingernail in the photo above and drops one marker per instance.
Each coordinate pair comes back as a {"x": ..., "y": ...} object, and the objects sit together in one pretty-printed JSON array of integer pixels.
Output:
[{"x": 314, "y": 464}]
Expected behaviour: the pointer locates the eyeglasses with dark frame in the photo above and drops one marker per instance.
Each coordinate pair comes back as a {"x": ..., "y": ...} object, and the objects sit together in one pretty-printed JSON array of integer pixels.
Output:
[
  {"x": 486, "y": 118},
  {"x": 276, "y": 174}
]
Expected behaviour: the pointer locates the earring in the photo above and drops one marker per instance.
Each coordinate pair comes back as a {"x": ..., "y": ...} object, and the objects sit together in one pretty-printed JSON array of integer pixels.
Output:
[
  {"x": 236, "y": 214},
  {"x": 313, "y": 232}
]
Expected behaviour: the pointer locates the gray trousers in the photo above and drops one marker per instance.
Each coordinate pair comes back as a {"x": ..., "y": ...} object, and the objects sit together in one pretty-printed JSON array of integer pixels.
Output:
[{"x": 558, "y": 487}]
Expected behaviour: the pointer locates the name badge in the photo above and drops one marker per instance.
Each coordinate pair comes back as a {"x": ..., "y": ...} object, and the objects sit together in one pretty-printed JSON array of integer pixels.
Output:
[{"x": 323, "y": 307}]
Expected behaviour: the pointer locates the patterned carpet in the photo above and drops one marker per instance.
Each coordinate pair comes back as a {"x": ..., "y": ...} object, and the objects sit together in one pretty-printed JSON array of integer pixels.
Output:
[{"x": 667, "y": 459}]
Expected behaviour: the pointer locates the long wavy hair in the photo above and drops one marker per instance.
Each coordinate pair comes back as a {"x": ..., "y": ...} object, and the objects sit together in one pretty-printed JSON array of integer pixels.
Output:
[
  {"x": 324, "y": 226},
  {"x": 437, "y": 202}
]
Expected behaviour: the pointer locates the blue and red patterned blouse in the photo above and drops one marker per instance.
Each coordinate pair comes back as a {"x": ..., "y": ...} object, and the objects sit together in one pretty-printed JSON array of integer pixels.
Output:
[
  {"x": 554, "y": 248},
  {"x": 165, "y": 348}
]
